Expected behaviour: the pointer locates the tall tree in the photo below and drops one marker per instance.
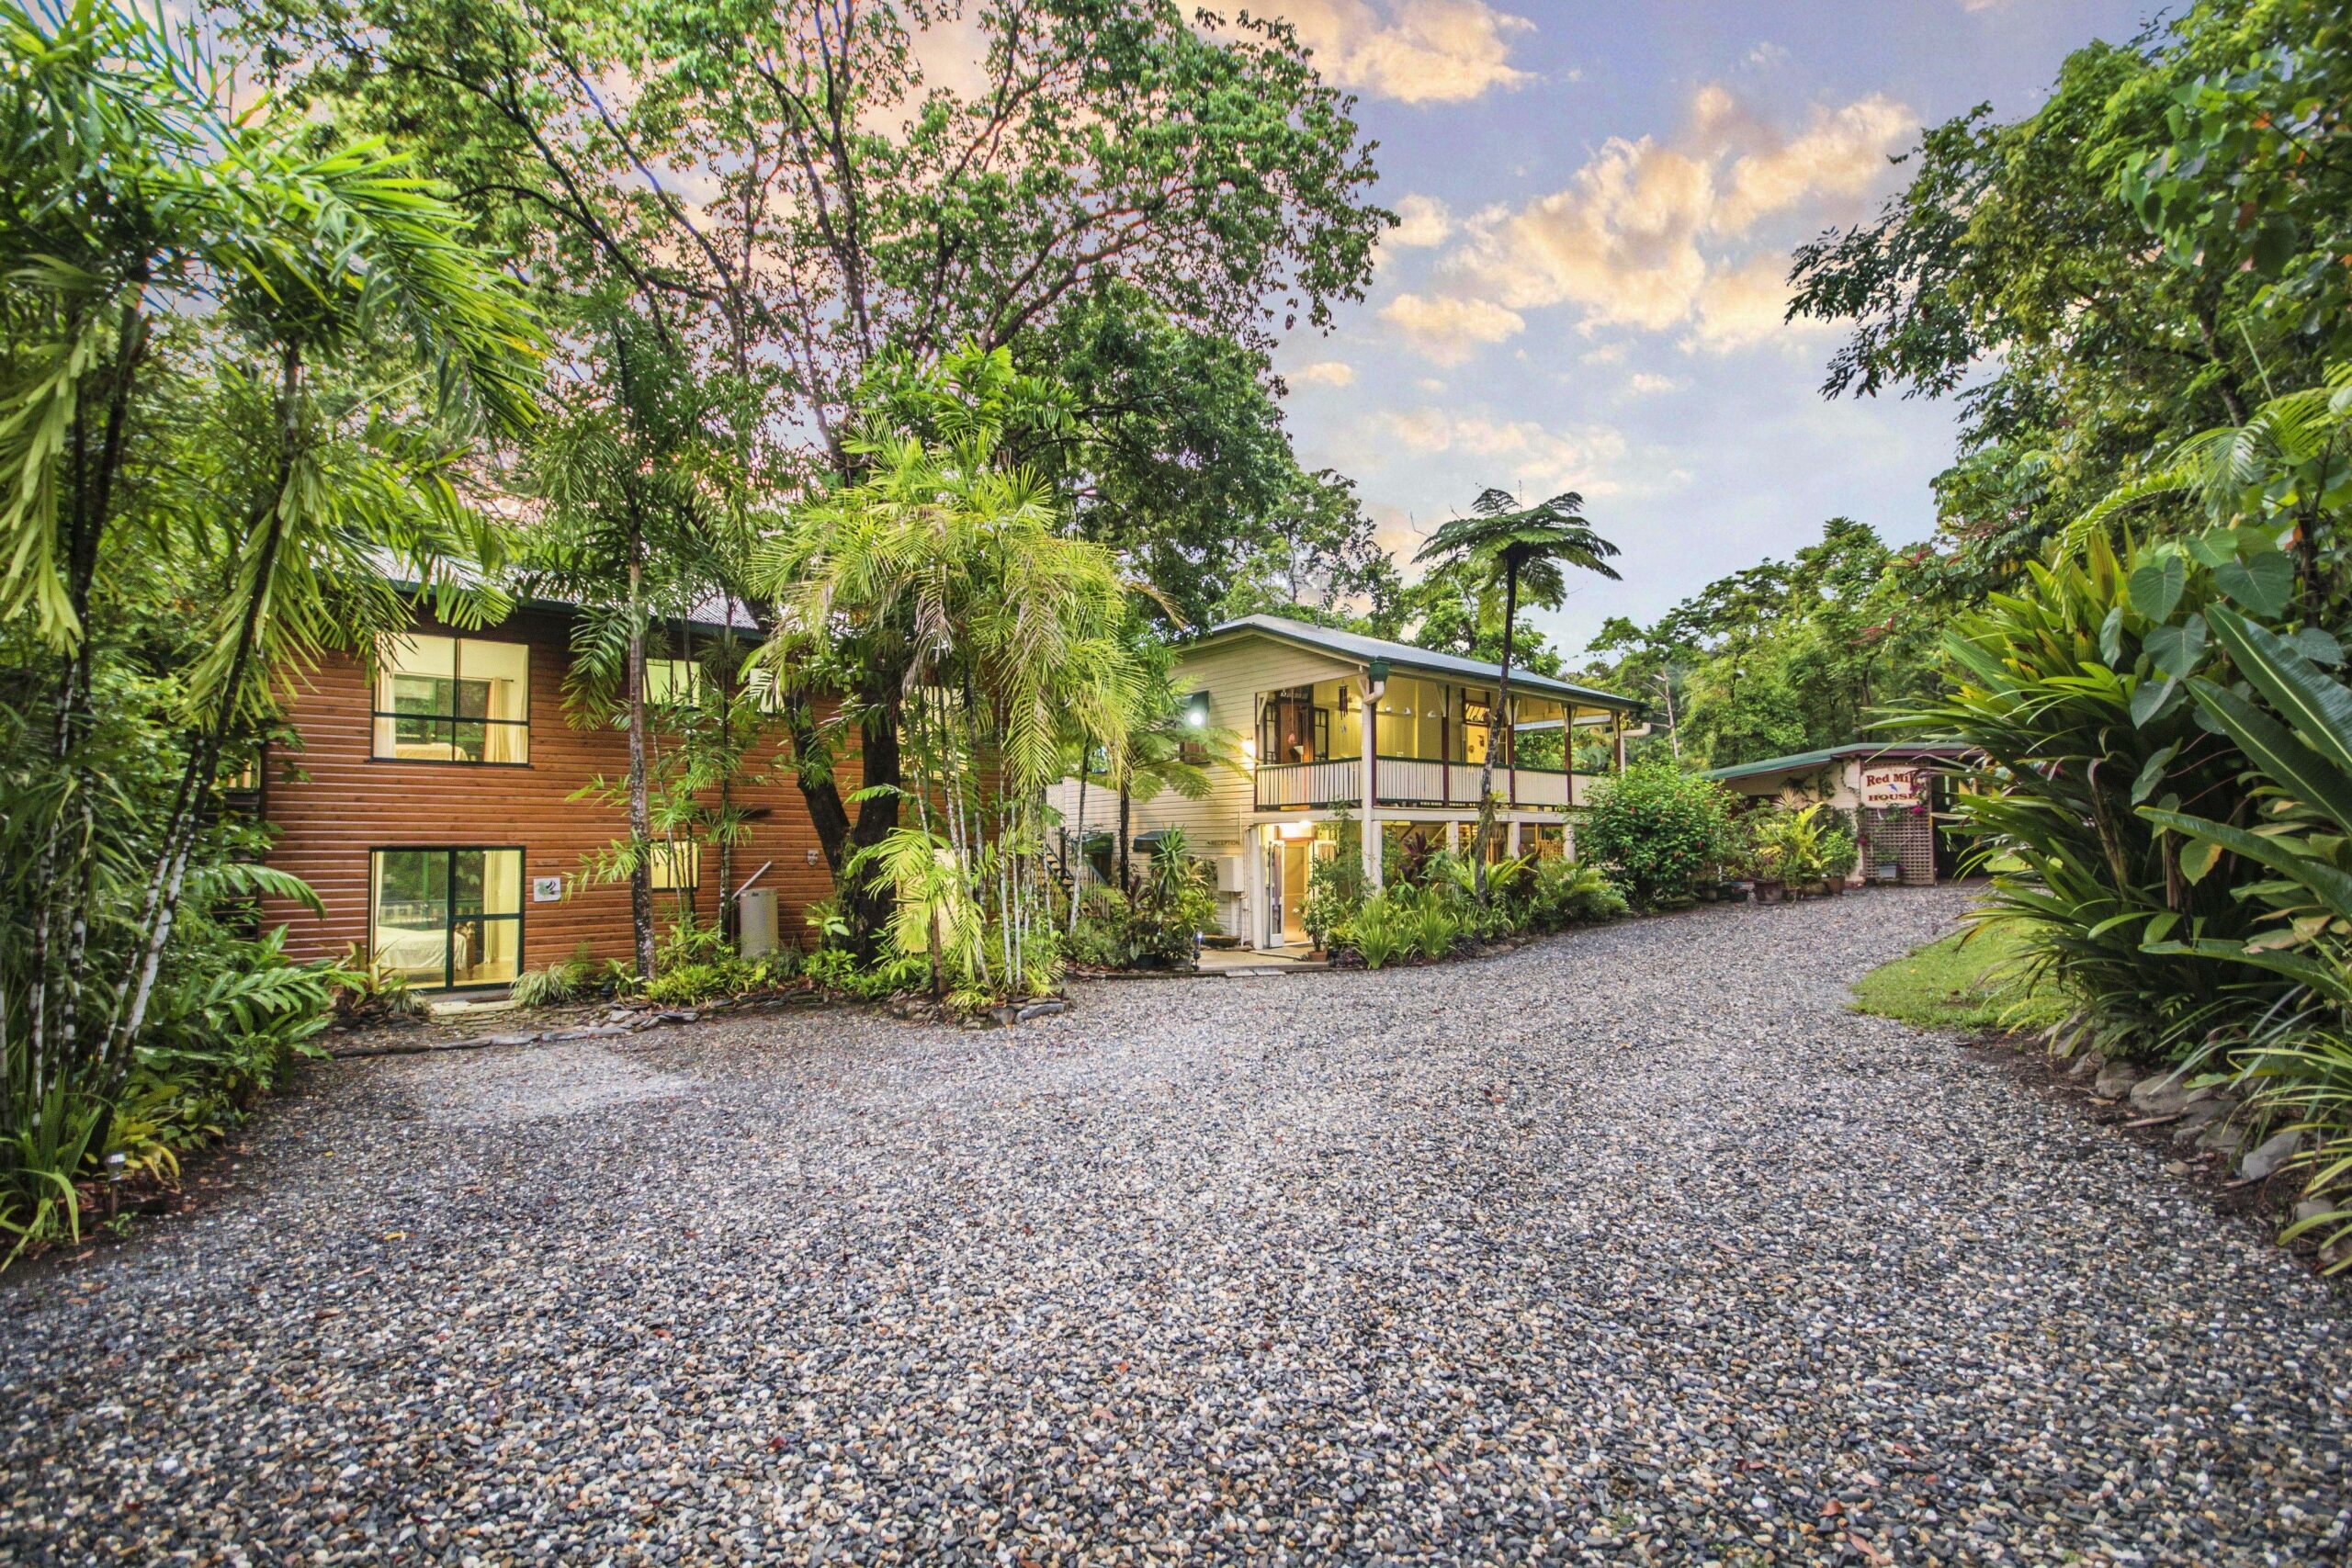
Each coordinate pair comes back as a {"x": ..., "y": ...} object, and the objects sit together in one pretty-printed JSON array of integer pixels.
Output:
[
  {"x": 2220, "y": 135},
  {"x": 795, "y": 196},
  {"x": 268, "y": 356},
  {"x": 1520, "y": 548}
]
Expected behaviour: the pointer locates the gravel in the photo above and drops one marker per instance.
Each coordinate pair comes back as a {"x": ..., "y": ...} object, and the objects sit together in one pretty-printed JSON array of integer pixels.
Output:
[{"x": 1632, "y": 1245}]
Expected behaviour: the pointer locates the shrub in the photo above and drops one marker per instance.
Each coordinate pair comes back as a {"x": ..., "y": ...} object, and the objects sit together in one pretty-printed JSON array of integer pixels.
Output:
[
  {"x": 690, "y": 983},
  {"x": 1655, "y": 830},
  {"x": 1840, "y": 851},
  {"x": 1377, "y": 933},
  {"x": 566, "y": 980},
  {"x": 1794, "y": 846},
  {"x": 1173, "y": 903},
  {"x": 1435, "y": 931},
  {"x": 1563, "y": 892},
  {"x": 363, "y": 992},
  {"x": 1102, "y": 938},
  {"x": 2057, "y": 688}
]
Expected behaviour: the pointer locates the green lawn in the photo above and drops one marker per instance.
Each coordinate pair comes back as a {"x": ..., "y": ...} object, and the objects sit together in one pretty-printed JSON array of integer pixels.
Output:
[{"x": 1948, "y": 984}]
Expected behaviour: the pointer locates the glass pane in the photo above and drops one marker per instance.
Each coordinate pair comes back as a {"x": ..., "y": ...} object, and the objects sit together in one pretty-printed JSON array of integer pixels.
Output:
[
  {"x": 673, "y": 866},
  {"x": 420, "y": 694},
  {"x": 506, "y": 743},
  {"x": 487, "y": 950},
  {"x": 412, "y": 913},
  {"x": 671, "y": 679},
  {"x": 499, "y": 880},
  {"x": 502, "y": 670},
  {"x": 416, "y": 654},
  {"x": 466, "y": 741},
  {"x": 465, "y": 882},
  {"x": 473, "y": 699}
]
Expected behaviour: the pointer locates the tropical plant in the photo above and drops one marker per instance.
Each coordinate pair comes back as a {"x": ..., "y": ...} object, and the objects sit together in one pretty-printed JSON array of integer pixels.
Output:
[
  {"x": 2293, "y": 1029},
  {"x": 1654, "y": 828},
  {"x": 1793, "y": 846},
  {"x": 1174, "y": 903},
  {"x": 553, "y": 985},
  {"x": 1377, "y": 932},
  {"x": 246, "y": 366},
  {"x": 1517, "y": 549},
  {"x": 1567, "y": 892},
  {"x": 1435, "y": 929},
  {"x": 943, "y": 590},
  {"x": 2070, "y": 695}
]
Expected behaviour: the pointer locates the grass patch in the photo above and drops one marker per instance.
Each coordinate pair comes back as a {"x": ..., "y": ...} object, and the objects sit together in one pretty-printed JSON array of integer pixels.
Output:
[{"x": 1954, "y": 984}]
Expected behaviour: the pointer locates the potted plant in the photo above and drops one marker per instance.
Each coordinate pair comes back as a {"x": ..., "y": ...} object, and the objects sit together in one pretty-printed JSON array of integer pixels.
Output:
[
  {"x": 1838, "y": 853},
  {"x": 1787, "y": 854}
]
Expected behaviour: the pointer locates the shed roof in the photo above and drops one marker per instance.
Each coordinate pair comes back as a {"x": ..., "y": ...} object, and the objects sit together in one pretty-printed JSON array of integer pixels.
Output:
[{"x": 1802, "y": 761}]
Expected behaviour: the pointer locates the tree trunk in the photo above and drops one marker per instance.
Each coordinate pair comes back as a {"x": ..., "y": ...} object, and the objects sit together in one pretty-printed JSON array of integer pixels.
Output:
[
  {"x": 1075, "y": 871},
  {"x": 1498, "y": 737},
  {"x": 724, "y": 698},
  {"x": 640, "y": 815},
  {"x": 1126, "y": 873},
  {"x": 161, "y": 904}
]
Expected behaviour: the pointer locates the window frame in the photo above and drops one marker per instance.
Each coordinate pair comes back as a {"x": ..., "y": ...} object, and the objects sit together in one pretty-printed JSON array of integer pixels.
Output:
[
  {"x": 449, "y": 920},
  {"x": 457, "y": 665}
]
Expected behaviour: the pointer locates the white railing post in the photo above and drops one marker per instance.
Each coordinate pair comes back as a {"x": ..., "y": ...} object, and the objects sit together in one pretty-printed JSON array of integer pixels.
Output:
[{"x": 1371, "y": 690}]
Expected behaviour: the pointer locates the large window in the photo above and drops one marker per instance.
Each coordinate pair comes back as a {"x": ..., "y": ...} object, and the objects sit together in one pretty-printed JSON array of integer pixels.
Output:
[
  {"x": 446, "y": 917},
  {"x": 672, "y": 683},
  {"x": 1291, "y": 729},
  {"x": 449, "y": 699}
]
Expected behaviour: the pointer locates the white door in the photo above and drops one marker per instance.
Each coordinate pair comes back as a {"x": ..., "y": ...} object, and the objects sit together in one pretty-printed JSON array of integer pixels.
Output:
[{"x": 1273, "y": 933}]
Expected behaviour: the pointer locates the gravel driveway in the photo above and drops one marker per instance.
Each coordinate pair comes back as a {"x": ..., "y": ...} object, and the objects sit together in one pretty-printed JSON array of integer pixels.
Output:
[{"x": 1631, "y": 1246}]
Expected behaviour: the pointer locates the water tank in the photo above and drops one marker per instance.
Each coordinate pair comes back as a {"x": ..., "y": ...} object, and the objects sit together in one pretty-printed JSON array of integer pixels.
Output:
[{"x": 756, "y": 921}]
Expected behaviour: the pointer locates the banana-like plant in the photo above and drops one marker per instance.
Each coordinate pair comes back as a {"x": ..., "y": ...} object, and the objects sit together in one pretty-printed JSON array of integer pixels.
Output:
[
  {"x": 2294, "y": 725},
  {"x": 2070, "y": 694}
]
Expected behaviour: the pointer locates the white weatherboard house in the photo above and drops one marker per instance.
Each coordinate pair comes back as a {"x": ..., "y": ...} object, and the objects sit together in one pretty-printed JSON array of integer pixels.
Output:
[{"x": 1296, "y": 695}]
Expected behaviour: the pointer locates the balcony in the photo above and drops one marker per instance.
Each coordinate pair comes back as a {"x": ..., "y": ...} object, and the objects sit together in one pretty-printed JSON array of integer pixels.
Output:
[{"x": 1411, "y": 781}]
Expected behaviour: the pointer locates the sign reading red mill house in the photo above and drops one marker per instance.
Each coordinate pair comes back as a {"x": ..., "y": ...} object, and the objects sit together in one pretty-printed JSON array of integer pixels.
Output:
[{"x": 1887, "y": 784}]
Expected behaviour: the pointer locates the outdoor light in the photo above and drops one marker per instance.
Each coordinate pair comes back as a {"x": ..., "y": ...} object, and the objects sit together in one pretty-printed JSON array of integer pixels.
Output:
[
  {"x": 1298, "y": 829},
  {"x": 1196, "y": 710}
]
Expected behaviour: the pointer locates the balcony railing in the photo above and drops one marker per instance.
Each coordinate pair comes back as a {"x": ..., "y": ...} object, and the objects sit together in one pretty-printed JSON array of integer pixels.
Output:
[
  {"x": 1310, "y": 784},
  {"x": 1411, "y": 781}
]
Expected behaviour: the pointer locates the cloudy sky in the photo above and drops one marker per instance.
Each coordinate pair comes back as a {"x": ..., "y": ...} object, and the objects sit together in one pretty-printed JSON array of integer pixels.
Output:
[{"x": 1586, "y": 289}]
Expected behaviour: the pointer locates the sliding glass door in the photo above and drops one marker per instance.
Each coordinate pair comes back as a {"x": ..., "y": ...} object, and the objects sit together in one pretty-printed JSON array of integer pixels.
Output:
[{"x": 446, "y": 917}]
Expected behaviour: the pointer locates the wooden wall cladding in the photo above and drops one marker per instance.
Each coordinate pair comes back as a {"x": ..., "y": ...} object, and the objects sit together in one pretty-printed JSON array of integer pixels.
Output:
[{"x": 330, "y": 803}]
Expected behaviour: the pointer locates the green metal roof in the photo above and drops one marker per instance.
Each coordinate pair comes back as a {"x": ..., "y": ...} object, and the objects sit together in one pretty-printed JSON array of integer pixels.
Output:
[
  {"x": 1801, "y": 761},
  {"x": 1360, "y": 649}
]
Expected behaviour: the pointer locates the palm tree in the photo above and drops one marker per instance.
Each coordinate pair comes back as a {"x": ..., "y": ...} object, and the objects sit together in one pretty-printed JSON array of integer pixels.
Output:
[
  {"x": 302, "y": 432},
  {"x": 944, "y": 587},
  {"x": 1527, "y": 549}
]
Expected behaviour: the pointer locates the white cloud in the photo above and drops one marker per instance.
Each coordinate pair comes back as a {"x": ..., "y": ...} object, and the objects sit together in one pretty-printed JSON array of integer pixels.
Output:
[
  {"x": 1417, "y": 51},
  {"x": 1841, "y": 153},
  {"x": 1657, "y": 234},
  {"x": 1323, "y": 373},
  {"x": 1450, "y": 331},
  {"x": 1745, "y": 305},
  {"x": 1767, "y": 54},
  {"x": 1645, "y": 382},
  {"x": 1607, "y": 354},
  {"x": 1527, "y": 455},
  {"x": 1420, "y": 221}
]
